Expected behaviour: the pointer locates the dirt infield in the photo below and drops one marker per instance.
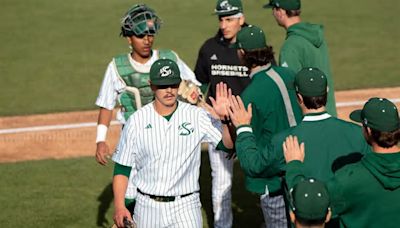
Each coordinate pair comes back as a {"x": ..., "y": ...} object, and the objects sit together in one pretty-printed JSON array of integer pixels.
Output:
[{"x": 74, "y": 133}]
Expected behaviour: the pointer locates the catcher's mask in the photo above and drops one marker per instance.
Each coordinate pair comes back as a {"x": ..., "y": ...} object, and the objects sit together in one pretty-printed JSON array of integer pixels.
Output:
[{"x": 140, "y": 20}]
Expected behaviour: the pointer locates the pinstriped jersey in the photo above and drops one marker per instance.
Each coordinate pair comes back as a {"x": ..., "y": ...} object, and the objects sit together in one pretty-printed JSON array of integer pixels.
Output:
[
  {"x": 166, "y": 154},
  {"x": 112, "y": 86}
]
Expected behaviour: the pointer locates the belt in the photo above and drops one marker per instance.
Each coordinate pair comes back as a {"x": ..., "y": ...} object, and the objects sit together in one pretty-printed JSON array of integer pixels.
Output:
[
  {"x": 276, "y": 193},
  {"x": 164, "y": 198}
]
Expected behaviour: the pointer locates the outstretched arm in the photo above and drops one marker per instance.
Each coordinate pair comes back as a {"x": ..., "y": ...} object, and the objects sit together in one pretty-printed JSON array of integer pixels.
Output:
[
  {"x": 255, "y": 162},
  {"x": 294, "y": 156}
]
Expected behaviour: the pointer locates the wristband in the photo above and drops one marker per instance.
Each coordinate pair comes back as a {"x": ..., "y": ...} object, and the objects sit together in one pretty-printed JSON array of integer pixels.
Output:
[{"x": 101, "y": 133}]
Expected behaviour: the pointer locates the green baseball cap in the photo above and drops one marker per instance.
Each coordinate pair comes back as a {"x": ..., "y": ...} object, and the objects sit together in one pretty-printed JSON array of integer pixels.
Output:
[
  {"x": 228, "y": 7},
  {"x": 165, "y": 72},
  {"x": 249, "y": 38},
  {"x": 310, "y": 199},
  {"x": 311, "y": 82},
  {"x": 284, "y": 4},
  {"x": 379, "y": 114}
]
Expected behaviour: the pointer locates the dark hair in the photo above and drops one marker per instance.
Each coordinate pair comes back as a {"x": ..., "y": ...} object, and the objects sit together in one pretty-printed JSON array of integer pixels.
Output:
[
  {"x": 310, "y": 222},
  {"x": 293, "y": 13},
  {"x": 385, "y": 139},
  {"x": 315, "y": 102},
  {"x": 258, "y": 57}
]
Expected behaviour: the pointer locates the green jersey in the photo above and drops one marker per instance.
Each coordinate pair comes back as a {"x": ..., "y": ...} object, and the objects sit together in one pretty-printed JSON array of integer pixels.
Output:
[
  {"x": 329, "y": 141},
  {"x": 269, "y": 115},
  {"x": 364, "y": 194}
]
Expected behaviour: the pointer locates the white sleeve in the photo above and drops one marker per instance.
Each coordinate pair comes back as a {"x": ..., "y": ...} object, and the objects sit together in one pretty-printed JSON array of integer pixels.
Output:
[
  {"x": 108, "y": 94},
  {"x": 209, "y": 129},
  {"x": 186, "y": 72},
  {"x": 124, "y": 153}
]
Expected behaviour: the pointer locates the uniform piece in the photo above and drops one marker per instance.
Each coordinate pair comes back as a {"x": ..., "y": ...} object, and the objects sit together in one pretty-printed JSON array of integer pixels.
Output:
[
  {"x": 362, "y": 194},
  {"x": 320, "y": 132},
  {"x": 166, "y": 155},
  {"x": 269, "y": 117},
  {"x": 113, "y": 87}
]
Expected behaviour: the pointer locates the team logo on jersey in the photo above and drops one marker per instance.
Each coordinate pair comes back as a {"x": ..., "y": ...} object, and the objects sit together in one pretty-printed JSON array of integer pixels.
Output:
[
  {"x": 185, "y": 129},
  {"x": 148, "y": 126},
  {"x": 165, "y": 71}
]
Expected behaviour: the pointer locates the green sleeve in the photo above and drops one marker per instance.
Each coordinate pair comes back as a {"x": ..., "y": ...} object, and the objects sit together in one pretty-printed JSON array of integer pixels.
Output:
[
  {"x": 204, "y": 88},
  {"x": 222, "y": 147},
  {"x": 122, "y": 170},
  {"x": 256, "y": 162},
  {"x": 294, "y": 173}
]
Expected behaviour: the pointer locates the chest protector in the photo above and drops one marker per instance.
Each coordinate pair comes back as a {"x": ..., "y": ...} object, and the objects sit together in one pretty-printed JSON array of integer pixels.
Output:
[{"x": 139, "y": 80}]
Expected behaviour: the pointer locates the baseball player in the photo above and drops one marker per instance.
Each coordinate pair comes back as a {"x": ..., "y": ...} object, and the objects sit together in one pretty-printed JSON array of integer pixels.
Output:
[
  {"x": 274, "y": 108},
  {"x": 319, "y": 130},
  {"x": 305, "y": 44},
  {"x": 366, "y": 193},
  {"x": 216, "y": 63},
  {"x": 127, "y": 75},
  {"x": 162, "y": 142},
  {"x": 311, "y": 89}
]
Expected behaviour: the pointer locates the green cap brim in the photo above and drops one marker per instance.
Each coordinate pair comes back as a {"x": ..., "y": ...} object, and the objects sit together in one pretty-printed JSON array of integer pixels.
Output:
[
  {"x": 356, "y": 116},
  {"x": 268, "y": 6},
  {"x": 226, "y": 14},
  {"x": 167, "y": 82}
]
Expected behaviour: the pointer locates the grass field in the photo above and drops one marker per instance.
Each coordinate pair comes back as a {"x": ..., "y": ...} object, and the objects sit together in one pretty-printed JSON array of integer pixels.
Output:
[
  {"x": 77, "y": 193},
  {"x": 54, "y": 53}
]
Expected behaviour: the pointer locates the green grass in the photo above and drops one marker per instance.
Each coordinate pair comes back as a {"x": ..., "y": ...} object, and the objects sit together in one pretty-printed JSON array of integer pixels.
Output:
[
  {"x": 77, "y": 193},
  {"x": 54, "y": 53}
]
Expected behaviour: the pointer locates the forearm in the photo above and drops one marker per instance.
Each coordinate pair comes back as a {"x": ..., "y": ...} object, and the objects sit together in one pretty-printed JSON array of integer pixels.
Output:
[
  {"x": 257, "y": 162},
  {"x": 105, "y": 116},
  {"x": 103, "y": 123},
  {"x": 226, "y": 137},
  {"x": 294, "y": 173},
  {"x": 120, "y": 183}
]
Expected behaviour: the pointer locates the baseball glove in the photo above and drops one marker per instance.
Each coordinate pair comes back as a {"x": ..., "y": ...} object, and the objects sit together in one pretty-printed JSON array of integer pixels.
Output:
[{"x": 190, "y": 93}]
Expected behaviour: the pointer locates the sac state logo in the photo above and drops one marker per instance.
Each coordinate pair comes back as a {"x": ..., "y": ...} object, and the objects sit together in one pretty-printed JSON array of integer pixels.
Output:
[
  {"x": 165, "y": 71},
  {"x": 185, "y": 129}
]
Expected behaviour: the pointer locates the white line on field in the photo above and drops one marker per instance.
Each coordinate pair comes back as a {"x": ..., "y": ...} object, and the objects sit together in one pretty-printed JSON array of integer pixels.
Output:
[
  {"x": 51, "y": 127},
  {"x": 360, "y": 103},
  {"x": 93, "y": 124}
]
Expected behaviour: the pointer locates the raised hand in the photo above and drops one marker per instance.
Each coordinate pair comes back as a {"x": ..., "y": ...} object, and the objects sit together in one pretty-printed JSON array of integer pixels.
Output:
[
  {"x": 292, "y": 150},
  {"x": 221, "y": 102},
  {"x": 238, "y": 113}
]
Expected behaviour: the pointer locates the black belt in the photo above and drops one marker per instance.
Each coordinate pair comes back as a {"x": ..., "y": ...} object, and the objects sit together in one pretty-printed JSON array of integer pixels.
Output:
[
  {"x": 164, "y": 198},
  {"x": 276, "y": 193}
]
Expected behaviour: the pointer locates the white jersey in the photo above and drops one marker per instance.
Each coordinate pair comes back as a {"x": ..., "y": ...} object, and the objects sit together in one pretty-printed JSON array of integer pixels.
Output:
[
  {"x": 112, "y": 86},
  {"x": 166, "y": 154}
]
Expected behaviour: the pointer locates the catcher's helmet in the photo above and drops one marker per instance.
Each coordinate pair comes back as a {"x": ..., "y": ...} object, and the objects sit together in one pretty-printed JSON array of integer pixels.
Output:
[{"x": 140, "y": 20}]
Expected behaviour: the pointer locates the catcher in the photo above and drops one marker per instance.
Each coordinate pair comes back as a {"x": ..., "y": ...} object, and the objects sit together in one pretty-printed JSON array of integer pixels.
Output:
[{"x": 126, "y": 80}]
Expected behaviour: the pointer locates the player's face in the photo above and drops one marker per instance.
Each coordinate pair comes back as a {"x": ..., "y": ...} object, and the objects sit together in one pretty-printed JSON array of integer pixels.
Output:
[
  {"x": 230, "y": 26},
  {"x": 278, "y": 15},
  {"x": 166, "y": 95},
  {"x": 141, "y": 46}
]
